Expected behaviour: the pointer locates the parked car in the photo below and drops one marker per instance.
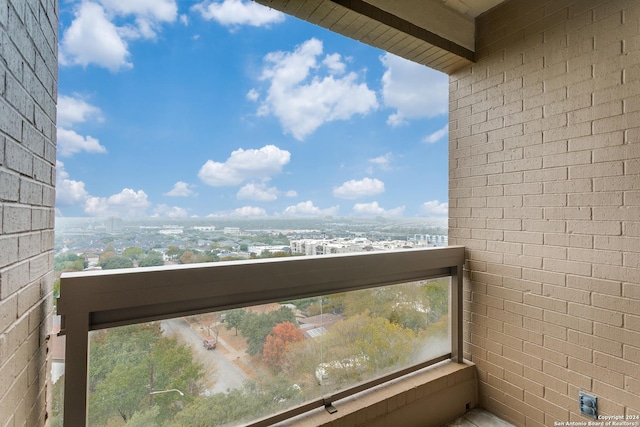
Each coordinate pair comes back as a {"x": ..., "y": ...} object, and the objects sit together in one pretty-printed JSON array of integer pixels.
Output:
[{"x": 209, "y": 344}]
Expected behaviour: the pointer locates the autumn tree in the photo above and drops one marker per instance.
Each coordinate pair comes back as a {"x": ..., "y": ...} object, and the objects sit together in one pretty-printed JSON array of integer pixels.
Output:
[
  {"x": 363, "y": 346},
  {"x": 187, "y": 257},
  {"x": 255, "y": 327},
  {"x": 276, "y": 344}
]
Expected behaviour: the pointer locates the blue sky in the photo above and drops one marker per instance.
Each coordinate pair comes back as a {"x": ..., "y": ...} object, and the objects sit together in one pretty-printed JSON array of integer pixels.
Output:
[{"x": 227, "y": 108}]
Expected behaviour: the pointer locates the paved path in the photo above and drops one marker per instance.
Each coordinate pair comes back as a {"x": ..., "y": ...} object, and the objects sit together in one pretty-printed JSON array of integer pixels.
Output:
[{"x": 223, "y": 374}]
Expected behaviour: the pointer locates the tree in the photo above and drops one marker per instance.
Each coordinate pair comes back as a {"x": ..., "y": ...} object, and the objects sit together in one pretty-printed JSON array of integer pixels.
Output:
[
  {"x": 234, "y": 318},
  {"x": 105, "y": 255},
  {"x": 114, "y": 262},
  {"x": 126, "y": 362},
  {"x": 265, "y": 395},
  {"x": 361, "y": 347},
  {"x": 173, "y": 252},
  {"x": 133, "y": 253},
  {"x": 256, "y": 327},
  {"x": 57, "y": 402},
  {"x": 276, "y": 344},
  {"x": 206, "y": 256},
  {"x": 187, "y": 257},
  {"x": 69, "y": 262},
  {"x": 151, "y": 259},
  {"x": 437, "y": 292},
  {"x": 147, "y": 418}
]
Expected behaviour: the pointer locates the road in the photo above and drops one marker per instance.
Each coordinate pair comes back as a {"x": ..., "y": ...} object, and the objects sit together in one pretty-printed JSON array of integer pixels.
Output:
[{"x": 223, "y": 374}]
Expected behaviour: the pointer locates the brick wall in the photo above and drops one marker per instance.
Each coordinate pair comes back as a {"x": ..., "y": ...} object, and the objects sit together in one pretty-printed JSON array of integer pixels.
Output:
[
  {"x": 28, "y": 92},
  {"x": 545, "y": 194}
]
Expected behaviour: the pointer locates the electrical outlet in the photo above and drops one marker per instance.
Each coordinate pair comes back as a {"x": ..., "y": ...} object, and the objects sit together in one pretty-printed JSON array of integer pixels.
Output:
[{"x": 588, "y": 405}]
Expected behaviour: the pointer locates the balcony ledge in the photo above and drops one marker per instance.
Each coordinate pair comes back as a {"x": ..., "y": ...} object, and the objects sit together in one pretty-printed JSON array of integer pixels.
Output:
[{"x": 427, "y": 398}]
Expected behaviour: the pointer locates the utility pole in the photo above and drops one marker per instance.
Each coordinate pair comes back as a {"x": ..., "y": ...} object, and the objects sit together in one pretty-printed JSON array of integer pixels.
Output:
[{"x": 150, "y": 385}]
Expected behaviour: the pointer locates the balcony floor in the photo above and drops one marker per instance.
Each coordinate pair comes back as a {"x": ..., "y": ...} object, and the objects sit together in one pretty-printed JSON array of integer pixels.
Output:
[{"x": 478, "y": 418}]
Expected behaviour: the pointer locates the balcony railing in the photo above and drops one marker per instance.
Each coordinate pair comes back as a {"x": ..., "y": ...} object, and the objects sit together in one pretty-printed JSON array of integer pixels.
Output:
[{"x": 105, "y": 299}]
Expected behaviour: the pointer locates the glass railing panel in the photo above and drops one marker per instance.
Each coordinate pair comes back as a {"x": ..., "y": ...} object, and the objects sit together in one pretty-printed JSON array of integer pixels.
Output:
[{"x": 235, "y": 366}]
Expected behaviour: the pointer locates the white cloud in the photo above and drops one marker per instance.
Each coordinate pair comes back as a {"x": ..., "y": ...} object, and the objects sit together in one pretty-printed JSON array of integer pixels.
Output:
[
  {"x": 304, "y": 95},
  {"x": 245, "y": 211},
  {"x": 244, "y": 165},
  {"x": 354, "y": 189},
  {"x": 236, "y": 12},
  {"x": 434, "y": 208},
  {"x": 180, "y": 189},
  {"x": 253, "y": 95},
  {"x": 68, "y": 191},
  {"x": 249, "y": 211},
  {"x": 334, "y": 63},
  {"x": 184, "y": 20},
  {"x": 259, "y": 192},
  {"x": 291, "y": 193},
  {"x": 69, "y": 142},
  {"x": 151, "y": 10},
  {"x": 170, "y": 211},
  {"x": 382, "y": 161},
  {"x": 413, "y": 90},
  {"x": 127, "y": 203},
  {"x": 93, "y": 39},
  {"x": 148, "y": 15},
  {"x": 437, "y": 135},
  {"x": 374, "y": 209},
  {"x": 72, "y": 110},
  {"x": 308, "y": 209}
]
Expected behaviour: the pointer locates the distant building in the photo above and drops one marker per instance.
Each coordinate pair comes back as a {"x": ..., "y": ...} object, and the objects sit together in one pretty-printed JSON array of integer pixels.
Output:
[
  {"x": 315, "y": 326},
  {"x": 232, "y": 231},
  {"x": 311, "y": 247},
  {"x": 171, "y": 231}
]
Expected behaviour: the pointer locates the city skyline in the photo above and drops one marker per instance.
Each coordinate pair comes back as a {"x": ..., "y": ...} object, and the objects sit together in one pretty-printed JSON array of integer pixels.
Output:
[{"x": 217, "y": 109}]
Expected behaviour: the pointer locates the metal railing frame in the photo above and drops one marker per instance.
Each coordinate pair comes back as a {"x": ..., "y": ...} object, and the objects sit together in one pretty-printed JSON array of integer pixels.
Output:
[{"x": 104, "y": 299}]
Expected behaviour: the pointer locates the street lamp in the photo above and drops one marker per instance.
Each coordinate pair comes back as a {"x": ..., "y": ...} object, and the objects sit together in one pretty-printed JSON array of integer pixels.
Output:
[
  {"x": 167, "y": 391},
  {"x": 152, "y": 392}
]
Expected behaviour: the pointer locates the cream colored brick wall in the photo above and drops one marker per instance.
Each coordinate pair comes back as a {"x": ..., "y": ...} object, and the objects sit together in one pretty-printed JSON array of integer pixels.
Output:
[
  {"x": 28, "y": 92},
  {"x": 545, "y": 194}
]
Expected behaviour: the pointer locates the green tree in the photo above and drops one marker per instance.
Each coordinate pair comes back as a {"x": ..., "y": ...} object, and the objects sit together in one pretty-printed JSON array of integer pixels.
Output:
[
  {"x": 57, "y": 403},
  {"x": 114, "y": 262},
  {"x": 147, "y": 418},
  {"x": 437, "y": 293},
  {"x": 105, "y": 255},
  {"x": 133, "y": 253},
  {"x": 206, "y": 256},
  {"x": 124, "y": 364},
  {"x": 173, "y": 252},
  {"x": 69, "y": 262},
  {"x": 151, "y": 259},
  {"x": 257, "y": 398},
  {"x": 234, "y": 318}
]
